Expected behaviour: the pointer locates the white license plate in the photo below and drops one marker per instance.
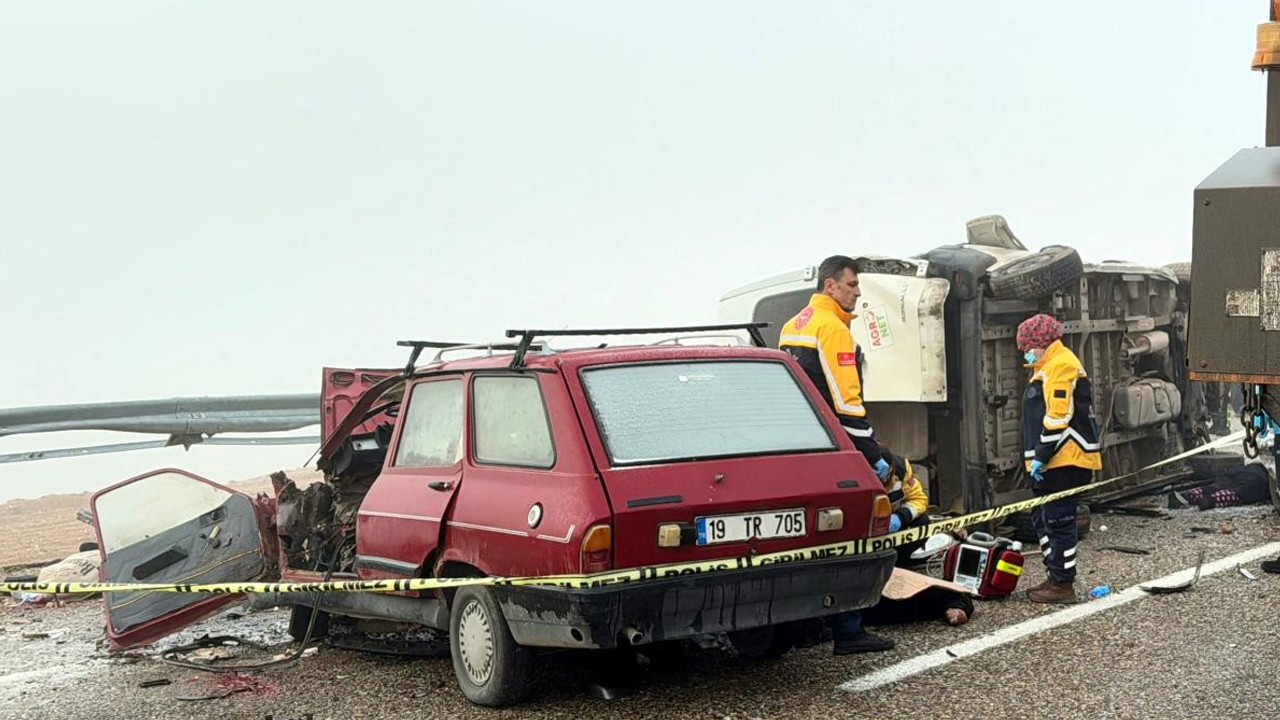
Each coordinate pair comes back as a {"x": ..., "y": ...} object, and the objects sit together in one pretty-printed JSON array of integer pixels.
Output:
[{"x": 749, "y": 526}]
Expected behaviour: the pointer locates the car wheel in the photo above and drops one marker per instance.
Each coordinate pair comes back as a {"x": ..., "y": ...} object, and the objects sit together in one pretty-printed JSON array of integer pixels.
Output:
[
  {"x": 762, "y": 643},
  {"x": 1037, "y": 275},
  {"x": 492, "y": 669},
  {"x": 300, "y": 618}
]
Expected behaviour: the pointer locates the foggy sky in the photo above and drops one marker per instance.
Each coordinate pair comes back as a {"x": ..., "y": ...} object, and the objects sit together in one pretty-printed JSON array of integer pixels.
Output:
[{"x": 221, "y": 198}]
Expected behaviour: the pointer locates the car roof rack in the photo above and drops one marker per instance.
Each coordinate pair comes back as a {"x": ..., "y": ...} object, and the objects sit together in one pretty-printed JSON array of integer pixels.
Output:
[
  {"x": 489, "y": 349},
  {"x": 420, "y": 345},
  {"x": 527, "y": 336},
  {"x": 445, "y": 347}
]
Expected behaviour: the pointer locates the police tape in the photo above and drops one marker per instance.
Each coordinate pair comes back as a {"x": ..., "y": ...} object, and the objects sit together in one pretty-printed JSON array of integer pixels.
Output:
[{"x": 852, "y": 548}]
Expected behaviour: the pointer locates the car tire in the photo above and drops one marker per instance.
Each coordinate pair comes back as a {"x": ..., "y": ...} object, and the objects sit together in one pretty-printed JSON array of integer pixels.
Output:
[
  {"x": 762, "y": 643},
  {"x": 1035, "y": 276},
  {"x": 492, "y": 669},
  {"x": 300, "y": 618}
]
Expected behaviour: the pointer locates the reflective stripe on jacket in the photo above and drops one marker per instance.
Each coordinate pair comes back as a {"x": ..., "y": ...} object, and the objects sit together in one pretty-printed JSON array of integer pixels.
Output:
[
  {"x": 820, "y": 340},
  {"x": 1058, "y": 424}
]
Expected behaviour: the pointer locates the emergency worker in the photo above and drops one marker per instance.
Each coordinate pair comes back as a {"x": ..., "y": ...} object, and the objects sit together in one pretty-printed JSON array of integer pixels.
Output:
[
  {"x": 909, "y": 500},
  {"x": 820, "y": 340},
  {"x": 1060, "y": 447}
]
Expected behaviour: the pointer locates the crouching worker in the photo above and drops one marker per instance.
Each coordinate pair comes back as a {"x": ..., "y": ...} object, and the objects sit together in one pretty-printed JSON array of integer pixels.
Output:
[
  {"x": 911, "y": 597},
  {"x": 1060, "y": 447},
  {"x": 909, "y": 500}
]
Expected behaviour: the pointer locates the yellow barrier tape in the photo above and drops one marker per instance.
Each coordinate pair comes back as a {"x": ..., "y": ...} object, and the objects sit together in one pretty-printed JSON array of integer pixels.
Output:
[{"x": 864, "y": 546}]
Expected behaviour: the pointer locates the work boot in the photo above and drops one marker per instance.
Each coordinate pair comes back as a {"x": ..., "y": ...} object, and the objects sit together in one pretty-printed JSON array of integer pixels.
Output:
[
  {"x": 1043, "y": 584},
  {"x": 1271, "y": 566},
  {"x": 1055, "y": 592},
  {"x": 863, "y": 642}
]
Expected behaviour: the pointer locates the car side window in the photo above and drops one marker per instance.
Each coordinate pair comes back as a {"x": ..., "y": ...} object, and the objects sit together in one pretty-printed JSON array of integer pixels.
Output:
[
  {"x": 511, "y": 422},
  {"x": 431, "y": 433}
]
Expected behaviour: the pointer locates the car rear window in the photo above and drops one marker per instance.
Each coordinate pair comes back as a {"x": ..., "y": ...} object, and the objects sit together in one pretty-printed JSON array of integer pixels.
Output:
[{"x": 666, "y": 412}]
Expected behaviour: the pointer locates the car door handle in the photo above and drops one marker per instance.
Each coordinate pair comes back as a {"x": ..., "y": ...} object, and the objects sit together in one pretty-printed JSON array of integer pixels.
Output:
[{"x": 441, "y": 485}]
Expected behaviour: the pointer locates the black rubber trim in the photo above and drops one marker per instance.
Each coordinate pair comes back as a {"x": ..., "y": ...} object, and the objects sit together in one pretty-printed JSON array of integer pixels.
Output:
[{"x": 664, "y": 500}]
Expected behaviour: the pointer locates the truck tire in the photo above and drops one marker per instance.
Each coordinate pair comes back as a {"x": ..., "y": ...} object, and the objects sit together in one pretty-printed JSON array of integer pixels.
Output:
[
  {"x": 1035, "y": 276},
  {"x": 762, "y": 643},
  {"x": 492, "y": 669},
  {"x": 1180, "y": 270}
]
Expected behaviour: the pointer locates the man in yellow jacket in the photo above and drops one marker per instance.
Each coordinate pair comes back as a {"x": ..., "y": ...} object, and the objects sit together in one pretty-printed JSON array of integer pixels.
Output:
[
  {"x": 820, "y": 340},
  {"x": 1060, "y": 447}
]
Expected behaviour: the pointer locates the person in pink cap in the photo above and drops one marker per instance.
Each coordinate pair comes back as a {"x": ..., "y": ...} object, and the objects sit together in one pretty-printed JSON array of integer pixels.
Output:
[{"x": 1060, "y": 447}]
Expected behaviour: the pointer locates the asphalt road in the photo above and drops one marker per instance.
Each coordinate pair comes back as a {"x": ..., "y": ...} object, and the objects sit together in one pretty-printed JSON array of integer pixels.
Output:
[{"x": 1208, "y": 652}]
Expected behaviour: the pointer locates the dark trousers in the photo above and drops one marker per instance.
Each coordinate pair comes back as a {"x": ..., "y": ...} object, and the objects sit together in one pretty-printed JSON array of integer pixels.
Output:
[
  {"x": 1055, "y": 523},
  {"x": 845, "y": 625},
  {"x": 848, "y": 624}
]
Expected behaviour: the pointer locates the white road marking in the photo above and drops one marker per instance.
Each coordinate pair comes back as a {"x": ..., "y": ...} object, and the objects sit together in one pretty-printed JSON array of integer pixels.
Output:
[{"x": 943, "y": 656}]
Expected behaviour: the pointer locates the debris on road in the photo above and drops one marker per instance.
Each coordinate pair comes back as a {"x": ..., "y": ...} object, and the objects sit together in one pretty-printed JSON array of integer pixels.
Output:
[
  {"x": 1126, "y": 549},
  {"x": 1181, "y": 587},
  {"x": 1246, "y": 573},
  {"x": 155, "y": 682}
]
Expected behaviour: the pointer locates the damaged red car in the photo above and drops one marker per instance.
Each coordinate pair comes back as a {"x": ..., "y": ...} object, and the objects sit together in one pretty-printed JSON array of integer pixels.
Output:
[{"x": 519, "y": 460}]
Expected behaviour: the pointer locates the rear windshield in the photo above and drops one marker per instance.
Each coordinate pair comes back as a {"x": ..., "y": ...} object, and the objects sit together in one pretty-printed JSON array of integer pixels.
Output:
[{"x": 684, "y": 411}]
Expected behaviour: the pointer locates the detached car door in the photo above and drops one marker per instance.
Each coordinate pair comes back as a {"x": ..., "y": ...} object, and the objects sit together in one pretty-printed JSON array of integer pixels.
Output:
[{"x": 170, "y": 526}]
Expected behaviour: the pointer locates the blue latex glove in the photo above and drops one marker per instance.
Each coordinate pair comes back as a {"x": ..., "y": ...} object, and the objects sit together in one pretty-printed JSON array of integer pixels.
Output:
[
  {"x": 895, "y": 523},
  {"x": 1037, "y": 470},
  {"x": 882, "y": 469}
]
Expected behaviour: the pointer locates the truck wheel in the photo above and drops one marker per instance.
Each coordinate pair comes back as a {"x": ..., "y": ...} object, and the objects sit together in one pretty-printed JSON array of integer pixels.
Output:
[
  {"x": 1037, "y": 275},
  {"x": 492, "y": 669},
  {"x": 300, "y": 617},
  {"x": 762, "y": 643}
]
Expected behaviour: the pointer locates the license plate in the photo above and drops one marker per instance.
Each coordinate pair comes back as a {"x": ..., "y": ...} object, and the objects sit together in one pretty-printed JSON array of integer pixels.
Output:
[{"x": 750, "y": 526}]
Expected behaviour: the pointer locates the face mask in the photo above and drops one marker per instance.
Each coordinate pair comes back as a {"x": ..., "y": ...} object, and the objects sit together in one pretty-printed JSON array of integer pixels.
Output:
[{"x": 1031, "y": 357}]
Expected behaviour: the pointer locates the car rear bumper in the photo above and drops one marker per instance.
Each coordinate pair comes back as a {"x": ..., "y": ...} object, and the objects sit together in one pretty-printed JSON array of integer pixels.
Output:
[{"x": 681, "y": 607}]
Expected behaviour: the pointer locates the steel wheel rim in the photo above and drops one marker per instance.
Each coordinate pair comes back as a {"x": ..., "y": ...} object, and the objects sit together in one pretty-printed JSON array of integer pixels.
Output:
[{"x": 475, "y": 642}]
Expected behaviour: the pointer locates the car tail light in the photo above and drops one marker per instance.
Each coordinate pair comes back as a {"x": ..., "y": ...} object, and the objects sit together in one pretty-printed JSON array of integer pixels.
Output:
[
  {"x": 597, "y": 549},
  {"x": 881, "y": 510}
]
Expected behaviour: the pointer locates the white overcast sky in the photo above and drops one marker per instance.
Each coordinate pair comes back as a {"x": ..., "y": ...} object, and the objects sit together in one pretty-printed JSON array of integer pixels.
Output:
[{"x": 221, "y": 198}]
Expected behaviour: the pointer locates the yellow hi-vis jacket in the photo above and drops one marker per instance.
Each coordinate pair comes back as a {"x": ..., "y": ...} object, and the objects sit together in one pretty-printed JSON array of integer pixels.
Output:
[
  {"x": 1058, "y": 425},
  {"x": 820, "y": 340},
  {"x": 906, "y": 493}
]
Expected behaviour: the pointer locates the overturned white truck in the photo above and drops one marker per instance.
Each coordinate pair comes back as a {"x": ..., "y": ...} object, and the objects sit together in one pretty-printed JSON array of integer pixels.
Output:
[{"x": 943, "y": 379}]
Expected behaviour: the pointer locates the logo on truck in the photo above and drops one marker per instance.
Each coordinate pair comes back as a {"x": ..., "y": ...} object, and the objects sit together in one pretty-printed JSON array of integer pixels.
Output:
[{"x": 878, "y": 332}]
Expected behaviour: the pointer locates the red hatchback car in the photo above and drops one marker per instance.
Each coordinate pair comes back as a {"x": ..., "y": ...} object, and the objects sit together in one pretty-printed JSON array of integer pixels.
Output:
[{"x": 532, "y": 462}]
